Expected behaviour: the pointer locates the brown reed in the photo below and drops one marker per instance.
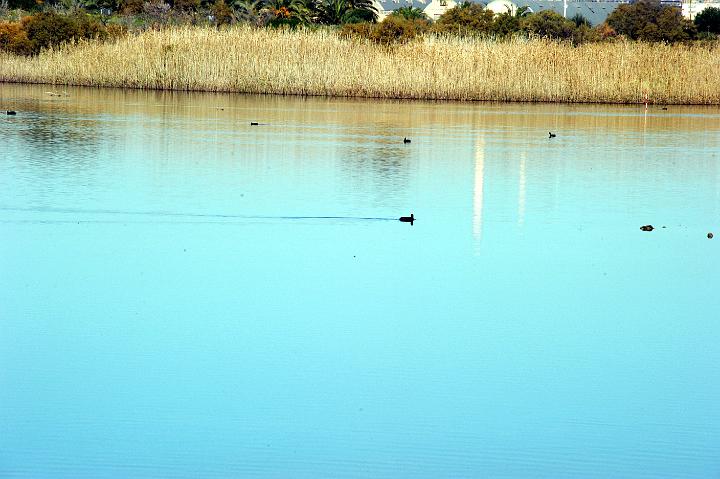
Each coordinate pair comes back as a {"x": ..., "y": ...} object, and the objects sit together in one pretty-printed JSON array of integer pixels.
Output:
[{"x": 250, "y": 60}]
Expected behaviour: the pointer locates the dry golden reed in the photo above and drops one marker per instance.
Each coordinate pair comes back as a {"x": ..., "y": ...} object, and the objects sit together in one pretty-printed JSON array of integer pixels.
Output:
[{"x": 249, "y": 60}]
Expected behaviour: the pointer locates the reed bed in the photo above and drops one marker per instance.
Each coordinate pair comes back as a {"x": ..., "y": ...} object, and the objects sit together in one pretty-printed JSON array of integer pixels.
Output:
[{"x": 250, "y": 60}]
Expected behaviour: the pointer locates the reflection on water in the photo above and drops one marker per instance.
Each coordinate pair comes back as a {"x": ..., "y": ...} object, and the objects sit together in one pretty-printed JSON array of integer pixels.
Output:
[
  {"x": 185, "y": 295},
  {"x": 478, "y": 190}
]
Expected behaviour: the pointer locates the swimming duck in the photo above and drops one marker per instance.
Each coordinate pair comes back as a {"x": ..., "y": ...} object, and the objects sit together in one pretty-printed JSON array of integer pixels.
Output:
[
  {"x": 552, "y": 135},
  {"x": 406, "y": 140},
  {"x": 408, "y": 219}
]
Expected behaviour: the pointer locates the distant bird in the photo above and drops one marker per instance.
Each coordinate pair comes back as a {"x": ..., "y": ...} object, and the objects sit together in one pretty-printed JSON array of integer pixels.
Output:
[
  {"x": 710, "y": 236},
  {"x": 254, "y": 123},
  {"x": 552, "y": 135},
  {"x": 11, "y": 112},
  {"x": 408, "y": 219},
  {"x": 647, "y": 228},
  {"x": 664, "y": 108},
  {"x": 406, "y": 140}
]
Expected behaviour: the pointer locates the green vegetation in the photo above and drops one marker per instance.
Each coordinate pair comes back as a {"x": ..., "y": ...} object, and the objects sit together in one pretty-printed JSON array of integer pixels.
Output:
[
  {"x": 31, "y": 25},
  {"x": 708, "y": 21},
  {"x": 47, "y": 29},
  {"x": 649, "y": 21}
]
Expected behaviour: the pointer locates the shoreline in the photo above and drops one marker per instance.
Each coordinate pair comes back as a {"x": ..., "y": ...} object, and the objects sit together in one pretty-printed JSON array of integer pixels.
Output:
[
  {"x": 322, "y": 64},
  {"x": 351, "y": 97}
]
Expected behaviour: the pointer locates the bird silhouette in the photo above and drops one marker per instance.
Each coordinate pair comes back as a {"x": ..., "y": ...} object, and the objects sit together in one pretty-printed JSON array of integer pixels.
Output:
[
  {"x": 408, "y": 219},
  {"x": 552, "y": 135},
  {"x": 406, "y": 140}
]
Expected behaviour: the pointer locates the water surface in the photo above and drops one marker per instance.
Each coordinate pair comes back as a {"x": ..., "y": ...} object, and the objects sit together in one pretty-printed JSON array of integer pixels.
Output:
[{"x": 184, "y": 295}]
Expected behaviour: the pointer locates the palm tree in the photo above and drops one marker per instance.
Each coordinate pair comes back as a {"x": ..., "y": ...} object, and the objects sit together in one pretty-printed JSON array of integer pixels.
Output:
[
  {"x": 410, "y": 13},
  {"x": 364, "y": 9},
  {"x": 335, "y": 12},
  {"x": 306, "y": 11},
  {"x": 523, "y": 12}
]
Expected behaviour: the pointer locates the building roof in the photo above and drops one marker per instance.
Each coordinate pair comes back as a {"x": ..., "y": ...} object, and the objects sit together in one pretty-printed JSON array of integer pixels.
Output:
[
  {"x": 390, "y": 5},
  {"x": 502, "y": 6},
  {"x": 595, "y": 11}
]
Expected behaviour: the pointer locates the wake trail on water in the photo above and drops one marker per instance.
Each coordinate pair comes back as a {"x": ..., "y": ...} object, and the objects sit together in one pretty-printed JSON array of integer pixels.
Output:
[{"x": 167, "y": 214}]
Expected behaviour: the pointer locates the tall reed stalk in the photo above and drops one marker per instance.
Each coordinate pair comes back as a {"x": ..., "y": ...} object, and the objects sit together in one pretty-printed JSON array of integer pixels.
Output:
[{"x": 249, "y": 60}]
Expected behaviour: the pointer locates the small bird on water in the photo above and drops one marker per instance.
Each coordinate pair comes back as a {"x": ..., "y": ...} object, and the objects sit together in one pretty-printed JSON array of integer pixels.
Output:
[
  {"x": 647, "y": 228},
  {"x": 406, "y": 140},
  {"x": 710, "y": 236},
  {"x": 408, "y": 219},
  {"x": 552, "y": 135},
  {"x": 10, "y": 112}
]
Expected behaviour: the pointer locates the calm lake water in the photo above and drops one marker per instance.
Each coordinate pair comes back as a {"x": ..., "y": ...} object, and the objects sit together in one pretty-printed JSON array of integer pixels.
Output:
[{"x": 184, "y": 295}]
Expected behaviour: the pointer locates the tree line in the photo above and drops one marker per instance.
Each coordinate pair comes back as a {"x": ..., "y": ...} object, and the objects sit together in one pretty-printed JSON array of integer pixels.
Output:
[{"x": 30, "y": 25}]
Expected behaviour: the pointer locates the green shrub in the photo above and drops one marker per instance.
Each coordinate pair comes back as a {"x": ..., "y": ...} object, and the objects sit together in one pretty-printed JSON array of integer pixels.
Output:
[
  {"x": 647, "y": 20},
  {"x": 587, "y": 34},
  {"x": 396, "y": 29},
  {"x": 357, "y": 30},
  {"x": 505, "y": 25},
  {"x": 222, "y": 13},
  {"x": 186, "y": 5},
  {"x": 464, "y": 19},
  {"x": 548, "y": 24},
  {"x": 708, "y": 20},
  {"x": 49, "y": 29},
  {"x": 14, "y": 39},
  {"x": 27, "y": 5},
  {"x": 115, "y": 30},
  {"x": 131, "y": 7},
  {"x": 578, "y": 19}
]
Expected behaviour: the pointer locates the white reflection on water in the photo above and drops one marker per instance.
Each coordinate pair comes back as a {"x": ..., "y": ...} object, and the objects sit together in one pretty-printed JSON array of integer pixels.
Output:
[
  {"x": 521, "y": 189},
  {"x": 478, "y": 192}
]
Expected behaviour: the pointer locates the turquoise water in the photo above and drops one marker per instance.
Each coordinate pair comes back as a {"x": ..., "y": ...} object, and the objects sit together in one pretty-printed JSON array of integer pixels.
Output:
[{"x": 184, "y": 295}]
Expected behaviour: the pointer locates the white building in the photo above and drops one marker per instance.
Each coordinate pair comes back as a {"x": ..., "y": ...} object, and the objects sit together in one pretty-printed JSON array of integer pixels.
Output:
[
  {"x": 691, "y": 8},
  {"x": 595, "y": 11}
]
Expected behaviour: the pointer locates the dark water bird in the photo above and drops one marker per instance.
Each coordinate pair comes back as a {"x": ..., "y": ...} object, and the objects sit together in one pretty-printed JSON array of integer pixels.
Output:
[
  {"x": 647, "y": 228},
  {"x": 664, "y": 108},
  {"x": 710, "y": 236},
  {"x": 254, "y": 123},
  {"x": 408, "y": 219},
  {"x": 406, "y": 140},
  {"x": 552, "y": 135},
  {"x": 10, "y": 112}
]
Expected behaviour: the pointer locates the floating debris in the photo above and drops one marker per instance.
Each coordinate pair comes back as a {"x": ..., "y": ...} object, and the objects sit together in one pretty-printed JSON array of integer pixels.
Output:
[{"x": 647, "y": 228}]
